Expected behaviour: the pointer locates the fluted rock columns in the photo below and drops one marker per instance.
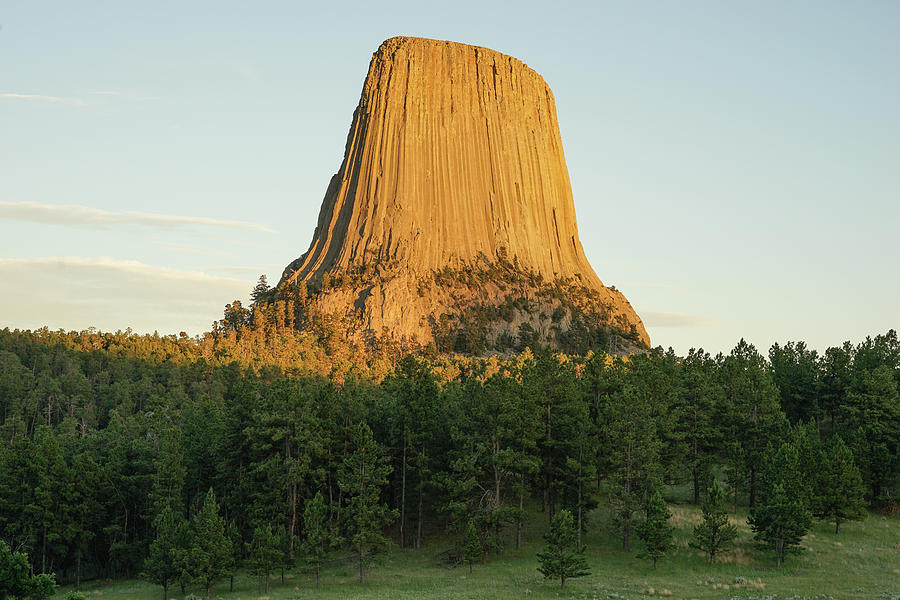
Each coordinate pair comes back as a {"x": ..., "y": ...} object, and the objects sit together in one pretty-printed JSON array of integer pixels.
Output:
[{"x": 453, "y": 158}]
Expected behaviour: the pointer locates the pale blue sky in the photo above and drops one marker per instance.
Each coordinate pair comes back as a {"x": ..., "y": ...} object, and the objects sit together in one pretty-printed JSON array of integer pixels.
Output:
[{"x": 735, "y": 166}]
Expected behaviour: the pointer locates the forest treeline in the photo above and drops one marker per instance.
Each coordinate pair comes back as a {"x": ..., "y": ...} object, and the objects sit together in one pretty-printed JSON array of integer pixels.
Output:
[{"x": 116, "y": 449}]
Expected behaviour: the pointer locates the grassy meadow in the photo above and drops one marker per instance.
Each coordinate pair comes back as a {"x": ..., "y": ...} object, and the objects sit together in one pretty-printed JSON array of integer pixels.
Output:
[{"x": 862, "y": 562}]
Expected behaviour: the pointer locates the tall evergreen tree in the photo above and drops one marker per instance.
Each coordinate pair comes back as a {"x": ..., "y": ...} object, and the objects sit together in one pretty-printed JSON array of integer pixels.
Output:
[
  {"x": 263, "y": 554},
  {"x": 163, "y": 564},
  {"x": 634, "y": 446},
  {"x": 416, "y": 392},
  {"x": 289, "y": 441},
  {"x": 871, "y": 419},
  {"x": 462, "y": 480},
  {"x": 361, "y": 477},
  {"x": 495, "y": 452},
  {"x": 842, "y": 494},
  {"x": 85, "y": 504},
  {"x": 210, "y": 554},
  {"x": 168, "y": 473},
  {"x": 260, "y": 291},
  {"x": 46, "y": 511},
  {"x": 699, "y": 418},
  {"x": 796, "y": 372},
  {"x": 237, "y": 551},
  {"x": 602, "y": 378},
  {"x": 714, "y": 534},
  {"x": 561, "y": 558},
  {"x": 782, "y": 517},
  {"x": 552, "y": 384},
  {"x": 835, "y": 378},
  {"x": 318, "y": 538},
  {"x": 580, "y": 472},
  {"x": 658, "y": 375},
  {"x": 755, "y": 418},
  {"x": 655, "y": 531},
  {"x": 810, "y": 462}
]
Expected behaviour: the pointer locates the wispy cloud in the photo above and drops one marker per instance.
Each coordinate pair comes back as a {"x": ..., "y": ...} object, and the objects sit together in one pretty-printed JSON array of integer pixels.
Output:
[
  {"x": 44, "y": 98},
  {"x": 123, "y": 95},
  {"x": 670, "y": 319},
  {"x": 105, "y": 263},
  {"x": 75, "y": 292},
  {"x": 85, "y": 216},
  {"x": 79, "y": 102}
]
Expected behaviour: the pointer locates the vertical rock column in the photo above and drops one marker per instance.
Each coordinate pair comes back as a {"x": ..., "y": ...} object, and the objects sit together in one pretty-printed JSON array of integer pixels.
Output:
[{"x": 454, "y": 157}]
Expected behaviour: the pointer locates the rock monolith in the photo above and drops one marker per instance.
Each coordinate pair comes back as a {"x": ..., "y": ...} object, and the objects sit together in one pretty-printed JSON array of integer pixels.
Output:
[{"x": 451, "y": 219}]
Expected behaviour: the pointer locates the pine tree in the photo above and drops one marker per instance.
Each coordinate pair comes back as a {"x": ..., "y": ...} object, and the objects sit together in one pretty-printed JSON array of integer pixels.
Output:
[
  {"x": 285, "y": 543},
  {"x": 494, "y": 454},
  {"x": 811, "y": 463},
  {"x": 472, "y": 549},
  {"x": 562, "y": 558},
  {"x": 714, "y": 534},
  {"x": 319, "y": 538},
  {"x": 552, "y": 385},
  {"x": 696, "y": 410},
  {"x": 45, "y": 510},
  {"x": 169, "y": 558},
  {"x": 287, "y": 439},
  {"x": 162, "y": 564},
  {"x": 168, "y": 473},
  {"x": 86, "y": 507},
  {"x": 260, "y": 290},
  {"x": 780, "y": 521},
  {"x": 361, "y": 477},
  {"x": 754, "y": 414},
  {"x": 237, "y": 551},
  {"x": 795, "y": 370},
  {"x": 655, "y": 531},
  {"x": 782, "y": 516},
  {"x": 184, "y": 543},
  {"x": 631, "y": 435},
  {"x": 462, "y": 498},
  {"x": 264, "y": 553},
  {"x": 210, "y": 555},
  {"x": 842, "y": 496},
  {"x": 871, "y": 411},
  {"x": 415, "y": 391}
]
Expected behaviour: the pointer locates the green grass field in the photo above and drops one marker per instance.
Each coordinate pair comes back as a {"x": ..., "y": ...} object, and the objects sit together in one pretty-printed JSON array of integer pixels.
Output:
[{"x": 862, "y": 562}]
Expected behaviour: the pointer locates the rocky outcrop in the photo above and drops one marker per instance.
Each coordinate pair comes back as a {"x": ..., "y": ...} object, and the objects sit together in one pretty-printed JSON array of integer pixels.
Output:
[{"x": 453, "y": 170}]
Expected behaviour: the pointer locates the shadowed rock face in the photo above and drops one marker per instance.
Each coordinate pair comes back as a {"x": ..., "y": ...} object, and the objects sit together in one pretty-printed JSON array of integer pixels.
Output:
[{"x": 453, "y": 163}]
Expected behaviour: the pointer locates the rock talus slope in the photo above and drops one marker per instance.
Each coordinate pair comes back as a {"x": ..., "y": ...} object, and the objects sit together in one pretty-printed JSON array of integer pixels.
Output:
[{"x": 453, "y": 164}]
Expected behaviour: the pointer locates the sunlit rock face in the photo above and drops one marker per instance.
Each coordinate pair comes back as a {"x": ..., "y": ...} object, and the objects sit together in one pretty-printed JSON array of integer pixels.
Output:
[{"x": 453, "y": 194}]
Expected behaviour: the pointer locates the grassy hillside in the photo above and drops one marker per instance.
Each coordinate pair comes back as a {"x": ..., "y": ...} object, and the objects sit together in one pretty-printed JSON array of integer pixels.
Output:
[{"x": 862, "y": 562}]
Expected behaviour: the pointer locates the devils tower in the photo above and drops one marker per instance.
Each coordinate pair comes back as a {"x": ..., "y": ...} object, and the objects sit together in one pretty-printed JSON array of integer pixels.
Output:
[{"x": 451, "y": 219}]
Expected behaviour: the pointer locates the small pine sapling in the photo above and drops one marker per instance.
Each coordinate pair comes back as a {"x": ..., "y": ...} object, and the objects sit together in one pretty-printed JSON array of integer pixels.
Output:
[
  {"x": 472, "y": 550},
  {"x": 655, "y": 531},
  {"x": 562, "y": 558},
  {"x": 714, "y": 534}
]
